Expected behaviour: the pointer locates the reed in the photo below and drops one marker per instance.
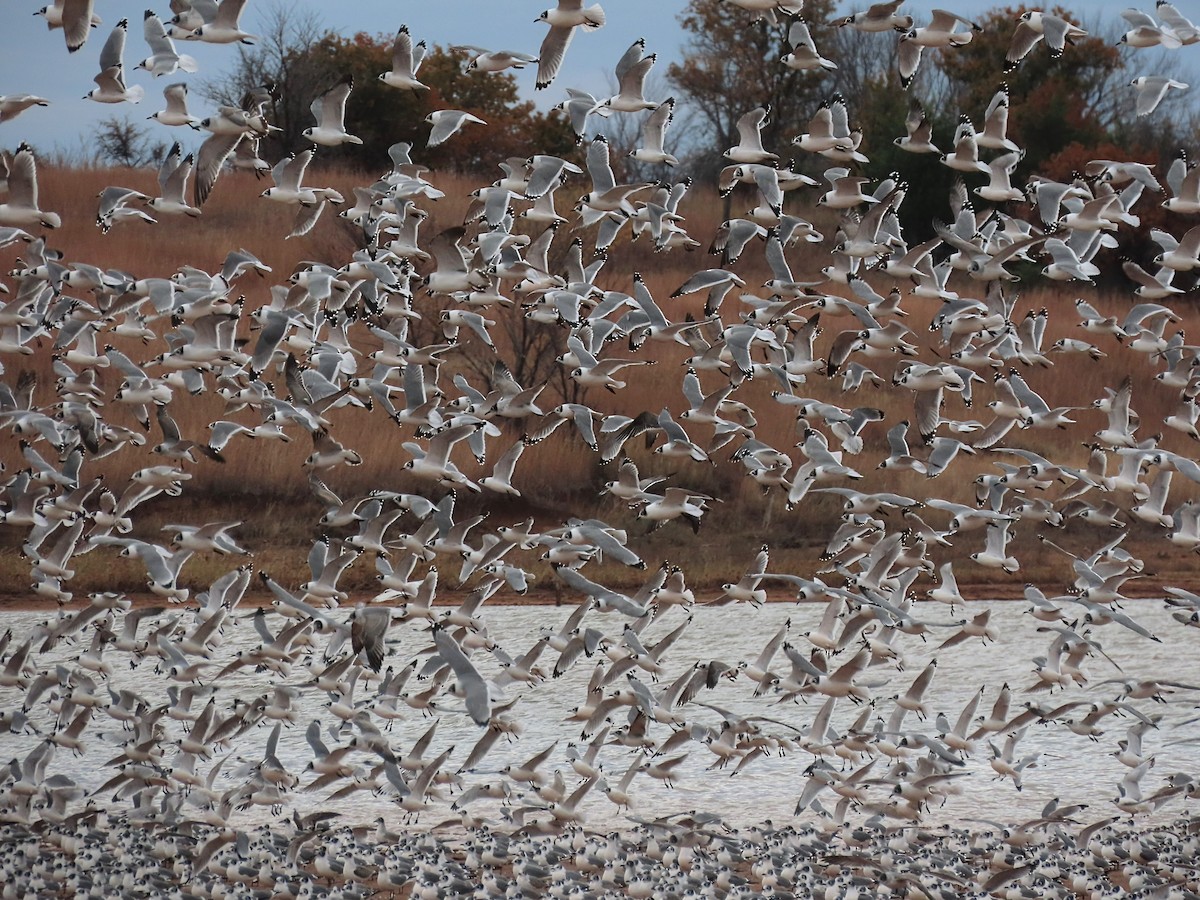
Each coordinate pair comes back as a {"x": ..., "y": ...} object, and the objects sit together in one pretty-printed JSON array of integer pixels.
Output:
[{"x": 263, "y": 485}]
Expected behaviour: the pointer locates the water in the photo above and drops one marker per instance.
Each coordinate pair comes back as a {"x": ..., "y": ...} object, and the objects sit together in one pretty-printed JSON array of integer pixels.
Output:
[{"x": 1069, "y": 767}]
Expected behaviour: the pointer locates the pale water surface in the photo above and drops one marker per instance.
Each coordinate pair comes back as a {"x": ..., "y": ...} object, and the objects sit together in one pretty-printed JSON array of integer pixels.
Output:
[{"x": 1070, "y": 767}]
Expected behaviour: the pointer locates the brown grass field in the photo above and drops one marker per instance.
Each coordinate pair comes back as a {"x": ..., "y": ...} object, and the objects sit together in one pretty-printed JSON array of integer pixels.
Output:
[{"x": 264, "y": 486}]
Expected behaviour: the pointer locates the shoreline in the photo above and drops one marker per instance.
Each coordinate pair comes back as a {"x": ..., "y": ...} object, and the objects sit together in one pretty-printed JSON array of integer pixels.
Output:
[
  {"x": 452, "y": 597},
  {"x": 325, "y": 857}
]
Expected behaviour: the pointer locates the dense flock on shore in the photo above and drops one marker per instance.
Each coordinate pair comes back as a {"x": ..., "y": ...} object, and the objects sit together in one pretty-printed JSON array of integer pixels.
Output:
[{"x": 863, "y": 743}]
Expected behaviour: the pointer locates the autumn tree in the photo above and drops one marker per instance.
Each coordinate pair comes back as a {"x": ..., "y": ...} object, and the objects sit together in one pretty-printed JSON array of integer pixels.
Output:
[
  {"x": 382, "y": 115},
  {"x": 1053, "y": 102},
  {"x": 732, "y": 65},
  {"x": 277, "y": 58},
  {"x": 304, "y": 65}
]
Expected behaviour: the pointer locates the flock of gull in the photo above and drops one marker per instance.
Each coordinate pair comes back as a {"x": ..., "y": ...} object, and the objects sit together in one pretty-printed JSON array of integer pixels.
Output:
[{"x": 337, "y": 350}]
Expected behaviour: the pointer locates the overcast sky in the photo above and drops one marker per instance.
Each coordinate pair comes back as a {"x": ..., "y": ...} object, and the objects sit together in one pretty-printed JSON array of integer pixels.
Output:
[{"x": 34, "y": 59}]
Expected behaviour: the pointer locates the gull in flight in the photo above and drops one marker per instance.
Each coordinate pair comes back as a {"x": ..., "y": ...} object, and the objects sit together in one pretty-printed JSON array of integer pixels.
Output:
[
  {"x": 654, "y": 131},
  {"x": 224, "y": 28},
  {"x": 880, "y": 17},
  {"x": 21, "y": 210},
  {"x": 803, "y": 55},
  {"x": 163, "y": 58},
  {"x": 288, "y": 173},
  {"x": 13, "y": 105},
  {"x": 446, "y": 122},
  {"x": 1035, "y": 26},
  {"x": 563, "y": 20},
  {"x": 74, "y": 17},
  {"x": 114, "y": 208},
  {"x": 1151, "y": 89},
  {"x": 228, "y": 127},
  {"x": 110, "y": 83},
  {"x": 749, "y": 148},
  {"x": 470, "y": 682},
  {"x": 406, "y": 61},
  {"x": 176, "y": 112},
  {"x": 172, "y": 183},
  {"x": 632, "y": 70},
  {"x": 330, "y": 112},
  {"x": 1145, "y": 32},
  {"x": 486, "y": 60}
]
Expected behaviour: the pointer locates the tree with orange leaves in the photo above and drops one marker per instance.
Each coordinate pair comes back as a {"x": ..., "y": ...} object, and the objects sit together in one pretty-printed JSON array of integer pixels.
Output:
[{"x": 304, "y": 61}]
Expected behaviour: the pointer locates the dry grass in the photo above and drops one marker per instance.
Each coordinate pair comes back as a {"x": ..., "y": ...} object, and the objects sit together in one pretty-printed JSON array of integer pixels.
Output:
[{"x": 263, "y": 485}]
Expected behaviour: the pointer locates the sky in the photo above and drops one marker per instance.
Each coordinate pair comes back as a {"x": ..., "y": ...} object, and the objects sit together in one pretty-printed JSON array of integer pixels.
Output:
[{"x": 34, "y": 59}]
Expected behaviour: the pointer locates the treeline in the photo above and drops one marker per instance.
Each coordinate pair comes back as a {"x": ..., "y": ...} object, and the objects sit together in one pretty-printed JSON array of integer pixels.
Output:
[{"x": 1063, "y": 112}]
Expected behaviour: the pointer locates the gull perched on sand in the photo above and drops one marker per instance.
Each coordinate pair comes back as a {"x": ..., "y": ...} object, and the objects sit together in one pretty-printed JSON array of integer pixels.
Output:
[
  {"x": 563, "y": 20},
  {"x": 110, "y": 83},
  {"x": 406, "y": 62}
]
